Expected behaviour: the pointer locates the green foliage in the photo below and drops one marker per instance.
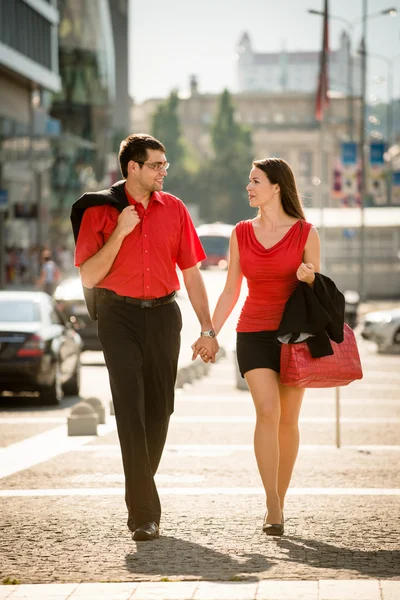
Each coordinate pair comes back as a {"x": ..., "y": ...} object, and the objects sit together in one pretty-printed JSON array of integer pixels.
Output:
[
  {"x": 166, "y": 128},
  {"x": 226, "y": 175},
  {"x": 11, "y": 581},
  {"x": 217, "y": 184}
]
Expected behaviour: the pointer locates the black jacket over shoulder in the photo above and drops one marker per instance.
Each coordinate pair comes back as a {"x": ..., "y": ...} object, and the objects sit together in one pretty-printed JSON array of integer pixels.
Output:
[
  {"x": 318, "y": 312},
  {"x": 116, "y": 197}
]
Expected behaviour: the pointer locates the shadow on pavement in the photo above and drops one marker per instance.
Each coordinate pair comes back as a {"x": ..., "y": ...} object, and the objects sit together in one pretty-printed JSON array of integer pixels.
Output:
[
  {"x": 173, "y": 557},
  {"x": 371, "y": 563}
]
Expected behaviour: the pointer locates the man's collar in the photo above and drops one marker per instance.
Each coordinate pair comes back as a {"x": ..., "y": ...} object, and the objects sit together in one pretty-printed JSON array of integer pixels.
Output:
[
  {"x": 157, "y": 196},
  {"x": 154, "y": 196}
]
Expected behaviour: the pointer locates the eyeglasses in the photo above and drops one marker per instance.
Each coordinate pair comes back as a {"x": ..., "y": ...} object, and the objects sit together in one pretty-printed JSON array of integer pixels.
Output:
[{"x": 155, "y": 166}]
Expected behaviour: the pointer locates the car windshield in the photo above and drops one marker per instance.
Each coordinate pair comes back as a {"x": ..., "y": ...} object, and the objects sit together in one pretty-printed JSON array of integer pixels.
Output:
[
  {"x": 215, "y": 244},
  {"x": 19, "y": 310}
]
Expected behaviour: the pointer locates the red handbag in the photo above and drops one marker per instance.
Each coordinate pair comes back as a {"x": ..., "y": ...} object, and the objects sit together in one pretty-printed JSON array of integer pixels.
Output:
[{"x": 300, "y": 369}]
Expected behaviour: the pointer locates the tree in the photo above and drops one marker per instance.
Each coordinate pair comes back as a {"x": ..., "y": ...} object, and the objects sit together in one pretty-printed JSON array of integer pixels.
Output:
[
  {"x": 227, "y": 173},
  {"x": 166, "y": 128}
]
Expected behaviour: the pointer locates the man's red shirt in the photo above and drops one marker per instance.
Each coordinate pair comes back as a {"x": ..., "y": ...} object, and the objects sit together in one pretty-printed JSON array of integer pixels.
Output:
[{"x": 145, "y": 266}]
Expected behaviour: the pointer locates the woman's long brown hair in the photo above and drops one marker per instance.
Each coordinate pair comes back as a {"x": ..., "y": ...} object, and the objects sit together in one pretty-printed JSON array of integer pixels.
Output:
[{"x": 278, "y": 171}]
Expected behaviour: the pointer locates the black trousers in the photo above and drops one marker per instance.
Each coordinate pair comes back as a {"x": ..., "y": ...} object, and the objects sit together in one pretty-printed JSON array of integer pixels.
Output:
[{"x": 141, "y": 349}]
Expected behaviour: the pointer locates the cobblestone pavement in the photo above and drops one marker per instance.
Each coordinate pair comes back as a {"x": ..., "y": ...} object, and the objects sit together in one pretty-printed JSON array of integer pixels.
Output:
[{"x": 63, "y": 519}]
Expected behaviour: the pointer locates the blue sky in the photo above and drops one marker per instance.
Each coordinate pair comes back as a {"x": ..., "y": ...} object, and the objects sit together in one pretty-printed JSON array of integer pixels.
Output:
[{"x": 172, "y": 39}]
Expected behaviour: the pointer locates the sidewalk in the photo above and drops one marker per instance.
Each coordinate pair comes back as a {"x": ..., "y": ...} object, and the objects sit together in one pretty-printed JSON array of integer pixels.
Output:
[
  {"x": 206, "y": 590},
  {"x": 63, "y": 519}
]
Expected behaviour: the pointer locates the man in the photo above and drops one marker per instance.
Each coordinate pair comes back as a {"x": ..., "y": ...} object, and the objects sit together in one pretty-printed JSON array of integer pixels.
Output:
[{"x": 130, "y": 240}]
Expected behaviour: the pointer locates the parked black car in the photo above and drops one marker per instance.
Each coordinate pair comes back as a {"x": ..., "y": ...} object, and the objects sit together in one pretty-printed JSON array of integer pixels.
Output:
[
  {"x": 39, "y": 348},
  {"x": 70, "y": 299}
]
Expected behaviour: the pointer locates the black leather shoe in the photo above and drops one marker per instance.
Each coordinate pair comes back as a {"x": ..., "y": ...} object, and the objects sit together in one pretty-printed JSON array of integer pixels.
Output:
[
  {"x": 273, "y": 528},
  {"x": 145, "y": 532}
]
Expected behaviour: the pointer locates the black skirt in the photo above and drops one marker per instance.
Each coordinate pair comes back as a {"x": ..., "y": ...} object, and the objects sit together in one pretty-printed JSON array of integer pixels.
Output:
[{"x": 257, "y": 350}]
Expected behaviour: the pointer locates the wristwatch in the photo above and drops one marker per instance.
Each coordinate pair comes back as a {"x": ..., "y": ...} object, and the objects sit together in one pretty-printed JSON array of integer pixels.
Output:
[{"x": 210, "y": 333}]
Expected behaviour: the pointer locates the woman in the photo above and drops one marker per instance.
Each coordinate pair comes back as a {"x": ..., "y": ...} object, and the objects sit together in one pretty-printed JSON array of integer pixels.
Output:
[{"x": 273, "y": 251}]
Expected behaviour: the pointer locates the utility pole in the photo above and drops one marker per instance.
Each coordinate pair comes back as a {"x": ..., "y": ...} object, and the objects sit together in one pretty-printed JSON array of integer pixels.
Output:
[
  {"x": 350, "y": 100},
  {"x": 2, "y": 231},
  {"x": 363, "y": 165}
]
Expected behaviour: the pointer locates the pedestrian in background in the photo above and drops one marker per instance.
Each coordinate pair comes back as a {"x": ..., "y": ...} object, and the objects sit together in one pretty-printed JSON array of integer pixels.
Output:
[
  {"x": 50, "y": 274},
  {"x": 131, "y": 238},
  {"x": 274, "y": 251}
]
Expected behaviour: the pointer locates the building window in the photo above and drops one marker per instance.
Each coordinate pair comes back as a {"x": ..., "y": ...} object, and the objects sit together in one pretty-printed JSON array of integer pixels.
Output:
[{"x": 26, "y": 31}]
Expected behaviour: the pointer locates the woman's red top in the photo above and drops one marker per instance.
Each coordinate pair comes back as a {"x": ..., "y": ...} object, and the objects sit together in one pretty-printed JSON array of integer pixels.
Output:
[{"x": 270, "y": 273}]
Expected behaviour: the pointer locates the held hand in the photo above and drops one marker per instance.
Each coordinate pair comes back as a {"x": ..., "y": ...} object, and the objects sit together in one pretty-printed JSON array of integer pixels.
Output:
[
  {"x": 306, "y": 273},
  {"x": 206, "y": 348},
  {"x": 127, "y": 220}
]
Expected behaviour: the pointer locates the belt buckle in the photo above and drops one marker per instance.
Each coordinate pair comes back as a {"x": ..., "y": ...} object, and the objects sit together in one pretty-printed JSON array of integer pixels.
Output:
[{"x": 147, "y": 304}]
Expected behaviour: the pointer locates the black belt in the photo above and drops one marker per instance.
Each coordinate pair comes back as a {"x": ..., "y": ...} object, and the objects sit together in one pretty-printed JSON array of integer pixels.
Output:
[{"x": 150, "y": 303}]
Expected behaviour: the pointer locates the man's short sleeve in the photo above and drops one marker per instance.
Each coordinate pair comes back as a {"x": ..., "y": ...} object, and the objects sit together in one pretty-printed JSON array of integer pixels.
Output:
[
  {"x": 190, "y": 250},
  {"x": 90, "y": 238}
]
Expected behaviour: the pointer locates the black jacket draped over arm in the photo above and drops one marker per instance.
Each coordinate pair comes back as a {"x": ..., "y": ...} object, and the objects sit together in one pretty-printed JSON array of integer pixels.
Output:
[{"x": 318, "y": 312}]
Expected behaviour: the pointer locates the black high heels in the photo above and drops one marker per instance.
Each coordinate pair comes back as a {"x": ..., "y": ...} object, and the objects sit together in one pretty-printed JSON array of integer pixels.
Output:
[{"x": 273, "y": 528}]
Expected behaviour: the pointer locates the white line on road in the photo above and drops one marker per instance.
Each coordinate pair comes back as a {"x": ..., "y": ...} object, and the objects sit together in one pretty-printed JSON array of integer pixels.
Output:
[
  {"x": 221, "y": 419},
  {"x": 364, "y": 385},
  {"x": 243, "y": 447},
  {"x": 42, "y": 447},
  {"x": 198, "y": 491},
  {"x": 28, "y": 420},
  {"x": 251, "y": 419},
  {"x": 322, "y": 400}
]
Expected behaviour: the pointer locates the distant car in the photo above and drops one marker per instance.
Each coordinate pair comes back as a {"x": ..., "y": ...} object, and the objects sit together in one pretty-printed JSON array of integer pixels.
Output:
[
  {"x": 39, "y": 349},
  {"x": 383, "y": 328},
  {"x": 70, "y": 299},
  {"x": 215, "y": 241}
]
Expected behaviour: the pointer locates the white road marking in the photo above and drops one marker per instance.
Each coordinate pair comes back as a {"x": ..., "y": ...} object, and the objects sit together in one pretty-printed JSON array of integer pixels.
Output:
[
  {"x": 42, "y": 447},
  {"x": 28, "y": 420},
  {"x": 251, "y": 419},
  {"x": 359, "y": 385},
  {"x": 36, "y": 449},
  {"x": 245, "y": 399},
  {"x": 198, "y": 491},
  {"x": 222, "y": 448},
  {"x": 222, "y": 419}
]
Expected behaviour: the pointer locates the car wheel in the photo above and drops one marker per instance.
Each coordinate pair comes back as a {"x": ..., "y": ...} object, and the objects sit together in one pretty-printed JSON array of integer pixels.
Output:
[
  {"x": 71, "y": 387},
  {"x": 53, "y": 394},
  {"x": 396, "y": 338}
]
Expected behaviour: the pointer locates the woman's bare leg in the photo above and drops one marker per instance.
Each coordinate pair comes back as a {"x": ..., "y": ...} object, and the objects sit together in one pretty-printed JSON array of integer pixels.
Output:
[
  {"x": 291, "y": 399},
  {"x": 264, "y": 388}
]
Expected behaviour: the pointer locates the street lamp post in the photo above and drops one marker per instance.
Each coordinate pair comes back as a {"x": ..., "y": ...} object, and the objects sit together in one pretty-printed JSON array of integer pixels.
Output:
[
  {"x": 350, "y": 30},
  {"x": 362, "y": 138},
  {"x": 390, "y": 100},
  {"x": 390, "y": 134},
  {"x": 363, "y": 170}
]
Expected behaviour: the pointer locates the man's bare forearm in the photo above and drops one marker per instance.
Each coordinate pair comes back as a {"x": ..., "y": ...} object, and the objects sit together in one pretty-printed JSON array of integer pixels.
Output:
[
  {"x": 198, "y": 297},
  {"x": 97, "y": 266}
]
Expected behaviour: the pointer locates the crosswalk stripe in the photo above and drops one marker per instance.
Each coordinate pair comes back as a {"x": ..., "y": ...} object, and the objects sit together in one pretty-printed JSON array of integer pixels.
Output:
[
  {"x": 244, "y": 447},
  {"x": 199, "y": 491}
]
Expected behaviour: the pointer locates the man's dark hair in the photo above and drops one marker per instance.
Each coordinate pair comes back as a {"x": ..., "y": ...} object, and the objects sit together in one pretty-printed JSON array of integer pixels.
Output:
[{"x": 135, "y": 147}]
